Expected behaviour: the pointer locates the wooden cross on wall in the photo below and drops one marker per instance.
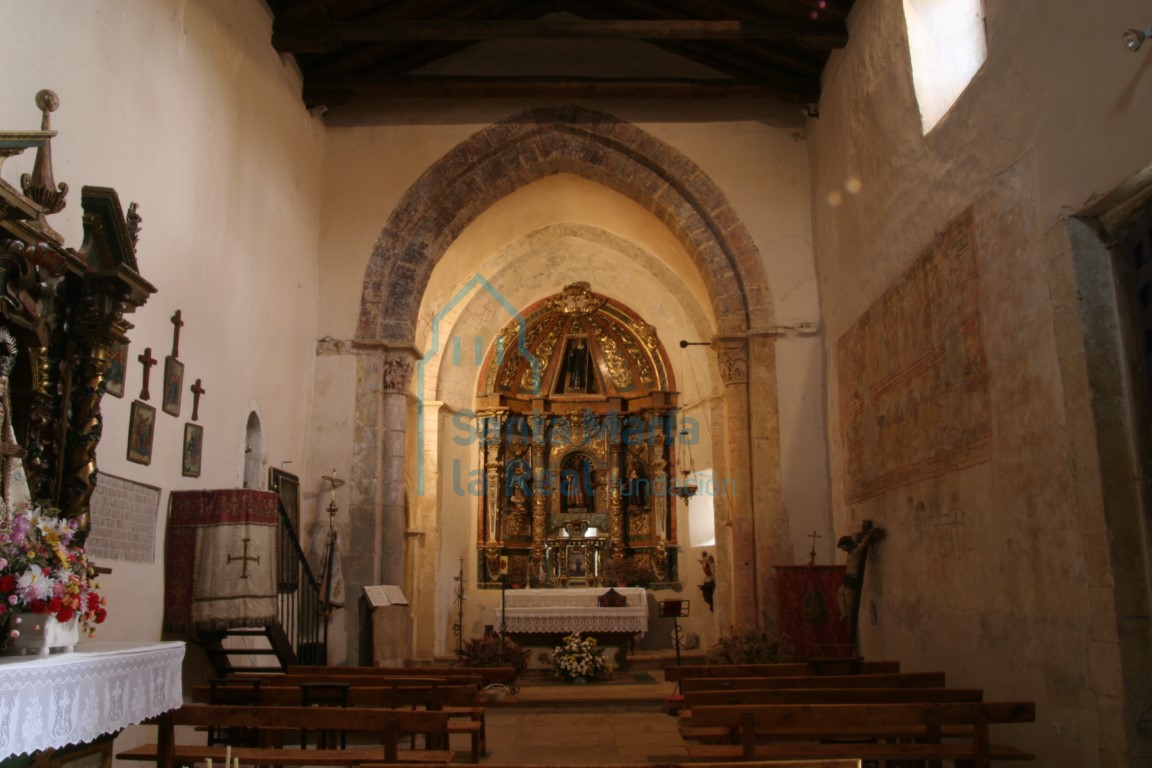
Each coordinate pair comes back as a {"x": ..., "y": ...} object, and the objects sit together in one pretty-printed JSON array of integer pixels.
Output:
[
  {"x": 147, "y": 361},
  {"x": 177, "y": 323},
  {"x": 197, "y": 390}
]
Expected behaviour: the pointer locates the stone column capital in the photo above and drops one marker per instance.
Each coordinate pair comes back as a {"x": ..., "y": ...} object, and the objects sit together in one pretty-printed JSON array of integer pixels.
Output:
[
  {"x": 396, "y": 370},
  {"x": 732, "y": 354}
]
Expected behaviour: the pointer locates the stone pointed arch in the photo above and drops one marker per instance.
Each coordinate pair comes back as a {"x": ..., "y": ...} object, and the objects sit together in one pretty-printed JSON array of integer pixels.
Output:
[{"x": 529, "y": 146}]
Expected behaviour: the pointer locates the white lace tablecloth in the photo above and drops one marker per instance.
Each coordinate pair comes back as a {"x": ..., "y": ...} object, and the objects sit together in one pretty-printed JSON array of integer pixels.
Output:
[
  {"x": 573, "y": 610},
  {"x": 75, "y": 697}
]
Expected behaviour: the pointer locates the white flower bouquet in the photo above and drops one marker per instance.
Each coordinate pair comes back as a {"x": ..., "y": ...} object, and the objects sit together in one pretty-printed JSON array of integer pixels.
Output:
[{"x": 579, "y": 657}]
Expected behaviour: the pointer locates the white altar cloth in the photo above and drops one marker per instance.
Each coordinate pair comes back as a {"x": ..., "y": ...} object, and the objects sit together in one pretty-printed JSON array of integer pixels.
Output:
[
  {"x": 573, "y": 610},
  {"x": 73, "y": 698}
]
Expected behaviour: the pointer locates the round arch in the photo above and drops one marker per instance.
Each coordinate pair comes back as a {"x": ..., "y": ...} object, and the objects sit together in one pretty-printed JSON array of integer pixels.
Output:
[
  {"x": 432, "y": 214},
  {"x": 538, "y": 143}
]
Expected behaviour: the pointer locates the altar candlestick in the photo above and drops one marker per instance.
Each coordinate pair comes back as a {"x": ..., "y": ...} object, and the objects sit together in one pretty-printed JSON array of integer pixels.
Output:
[{"x": 228, "y": 756}]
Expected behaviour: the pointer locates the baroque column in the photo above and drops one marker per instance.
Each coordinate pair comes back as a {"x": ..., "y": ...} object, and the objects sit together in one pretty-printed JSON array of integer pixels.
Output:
[
  {"x": 542, "y": 491},
  {"x": 732, "y": 354}
]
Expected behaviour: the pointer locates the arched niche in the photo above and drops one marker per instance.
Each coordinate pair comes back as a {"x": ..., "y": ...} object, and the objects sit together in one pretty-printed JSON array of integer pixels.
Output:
[{"x": 253, "y": 451}]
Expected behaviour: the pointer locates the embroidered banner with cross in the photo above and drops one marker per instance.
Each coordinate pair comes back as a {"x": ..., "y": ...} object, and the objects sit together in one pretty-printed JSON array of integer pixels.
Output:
[{"x": 220, "y": 564}]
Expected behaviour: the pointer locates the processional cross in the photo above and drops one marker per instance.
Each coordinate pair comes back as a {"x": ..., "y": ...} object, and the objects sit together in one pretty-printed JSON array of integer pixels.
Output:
[
  {"x": 245, "y": 559},
  {"x": 812, "y": 554}
]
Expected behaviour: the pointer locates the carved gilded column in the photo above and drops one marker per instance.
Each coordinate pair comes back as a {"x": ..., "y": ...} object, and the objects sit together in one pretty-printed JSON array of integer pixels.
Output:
[
  {"x": 542, "y": 492},
  {"x": 732, "y": 355},
  {"x": 611, "y": 478},
  {"x": 396, "y": 374}
]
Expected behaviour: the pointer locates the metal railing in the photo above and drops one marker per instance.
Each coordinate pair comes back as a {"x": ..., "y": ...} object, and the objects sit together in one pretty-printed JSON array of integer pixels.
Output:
[{"x": 301, "y": 607}]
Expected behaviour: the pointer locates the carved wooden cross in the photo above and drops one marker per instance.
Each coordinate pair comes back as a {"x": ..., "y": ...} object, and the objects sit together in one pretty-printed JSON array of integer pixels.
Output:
[
  {"x": 245, "y": 559},
  {"x": 178, "y": 323},
  {"x": 147, "y": 361},
  {"x": 812, "y": 554},
  {"x": 197, "y": 390}
]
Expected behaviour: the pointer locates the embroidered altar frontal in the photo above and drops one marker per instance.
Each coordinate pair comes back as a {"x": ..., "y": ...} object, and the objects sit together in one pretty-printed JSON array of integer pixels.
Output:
[{"x": 220, "y": 564}]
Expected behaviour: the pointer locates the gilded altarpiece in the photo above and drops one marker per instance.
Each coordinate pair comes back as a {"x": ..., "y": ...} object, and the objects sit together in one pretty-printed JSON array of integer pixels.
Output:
[{"x": 577, "y": 417}]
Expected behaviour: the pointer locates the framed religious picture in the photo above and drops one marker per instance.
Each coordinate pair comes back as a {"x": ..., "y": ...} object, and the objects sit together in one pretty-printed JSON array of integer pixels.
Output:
[
  {"x": 173, "y": 385},
  {"x": 114, "y": 381},
  {"x": 193, "y": 447},
  {"x": 287, "y": 487},
  {"x": 141, "y": 429}
]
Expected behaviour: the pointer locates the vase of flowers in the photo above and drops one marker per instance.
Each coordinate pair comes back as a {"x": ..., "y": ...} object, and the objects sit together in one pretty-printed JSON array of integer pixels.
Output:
[
  {"x": 579, "y": 659},
  {"x": 48, "y": 590}
]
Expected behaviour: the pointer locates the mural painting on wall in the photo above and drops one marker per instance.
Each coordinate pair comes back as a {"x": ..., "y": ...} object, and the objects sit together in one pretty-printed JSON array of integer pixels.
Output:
[
  {"x": 578, "y": 423},
  {"x": 913, "y": 373}
]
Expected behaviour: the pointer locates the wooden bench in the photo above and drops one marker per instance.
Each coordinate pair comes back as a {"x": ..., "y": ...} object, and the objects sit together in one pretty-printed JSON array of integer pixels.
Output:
[
  {"x": 895, "y": 680},
  {"x": 459, "y": 701},
  {"x": 743, "y": 764},
  {"x": 785, "y": 669},
  {"x": 865, "y": 731},
  {"x": 395, "y": 681},
  {"x": 690, "y": 731},
  {"x": 488, "y": 675},
  {"x": 386, "y": 724}
]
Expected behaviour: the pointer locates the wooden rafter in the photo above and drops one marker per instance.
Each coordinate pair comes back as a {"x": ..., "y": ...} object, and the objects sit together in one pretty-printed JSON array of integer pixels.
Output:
[{"x": 293, "y": 37}]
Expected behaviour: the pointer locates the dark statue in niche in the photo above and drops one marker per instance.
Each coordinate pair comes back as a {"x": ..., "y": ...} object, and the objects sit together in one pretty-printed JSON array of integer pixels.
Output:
[
  {"x": 577, "y": 489},
  {"x": 577, "y": 378}
]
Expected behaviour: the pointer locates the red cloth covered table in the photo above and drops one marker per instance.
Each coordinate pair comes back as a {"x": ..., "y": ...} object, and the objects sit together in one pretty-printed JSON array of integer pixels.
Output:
[
  {"x": 809, "y": 612},
  {"x": 220, "y": 559}
]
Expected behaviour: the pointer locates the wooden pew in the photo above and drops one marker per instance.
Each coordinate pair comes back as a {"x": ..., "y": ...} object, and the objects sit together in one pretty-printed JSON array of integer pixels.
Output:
[
  {"x": 296, "y": 678},
  {"x": 786, "y": 669},
  {"x": 693, "y": 732},
  {"x": 505, "y": 675},
  {"x": 743, "y": 764},
  {"x": 385, "y": 724},
  {"x": 460, "y": 701},
  {"x": 876, "y": 731},
  {"x": 897, "y": 680}
]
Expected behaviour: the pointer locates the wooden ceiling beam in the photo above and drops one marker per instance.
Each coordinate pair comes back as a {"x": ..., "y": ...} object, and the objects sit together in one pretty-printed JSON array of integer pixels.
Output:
[
  {"x": 337, "y": 90},
  {"x": 292, "y": 37}
]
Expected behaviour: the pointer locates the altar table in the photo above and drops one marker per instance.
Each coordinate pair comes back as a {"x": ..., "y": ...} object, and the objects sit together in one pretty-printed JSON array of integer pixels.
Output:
[
  {"x": 573, "y": 610},
  {"x": 71, "y": 698}
]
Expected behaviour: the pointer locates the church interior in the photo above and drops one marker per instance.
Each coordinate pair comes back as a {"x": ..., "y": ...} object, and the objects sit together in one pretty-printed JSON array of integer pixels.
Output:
[{"x": 556, "y": 296}]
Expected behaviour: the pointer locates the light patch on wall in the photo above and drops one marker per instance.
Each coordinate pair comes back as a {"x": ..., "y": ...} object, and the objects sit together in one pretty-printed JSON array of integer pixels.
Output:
[
  {"x": 947, "y": 46},
  {"x": 701, "y": 514}
]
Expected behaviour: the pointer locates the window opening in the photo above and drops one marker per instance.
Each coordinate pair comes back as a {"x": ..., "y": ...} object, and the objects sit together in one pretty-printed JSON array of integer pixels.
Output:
[{"x": 947, "y": 46}]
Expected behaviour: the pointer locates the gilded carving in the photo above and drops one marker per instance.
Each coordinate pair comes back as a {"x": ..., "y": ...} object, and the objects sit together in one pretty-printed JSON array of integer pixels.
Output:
[
  {"x": 576, "y": 299},
  {"x": 639, "y": 356},
  {"x": 618, "y": 367}
]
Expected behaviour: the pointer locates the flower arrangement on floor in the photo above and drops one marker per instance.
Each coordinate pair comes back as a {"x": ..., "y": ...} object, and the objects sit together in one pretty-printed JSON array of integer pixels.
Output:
[
  {"x": 494, "y": 651},
  {"x": 44, "y": 570},
  {"x": 579, "y": 657}
]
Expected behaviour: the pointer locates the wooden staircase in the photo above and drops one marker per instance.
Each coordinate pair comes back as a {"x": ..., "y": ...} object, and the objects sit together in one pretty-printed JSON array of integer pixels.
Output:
[{"x": 248, "y": 649}]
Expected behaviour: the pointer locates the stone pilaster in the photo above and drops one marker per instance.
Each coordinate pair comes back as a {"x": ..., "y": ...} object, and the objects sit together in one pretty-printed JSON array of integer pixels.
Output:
[
  {"x": 396, "y": 374},
  {"x": 744, "y": 599}
]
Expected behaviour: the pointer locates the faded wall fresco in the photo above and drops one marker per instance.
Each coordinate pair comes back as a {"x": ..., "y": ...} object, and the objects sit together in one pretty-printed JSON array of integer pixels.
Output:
[{"x": 913, "y": 374}]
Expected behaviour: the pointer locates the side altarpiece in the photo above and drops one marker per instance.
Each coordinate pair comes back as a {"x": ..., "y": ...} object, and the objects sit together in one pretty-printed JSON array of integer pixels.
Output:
[
  {"x": 577, "y": 415},
  {"x": 62, "y": 311}
]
